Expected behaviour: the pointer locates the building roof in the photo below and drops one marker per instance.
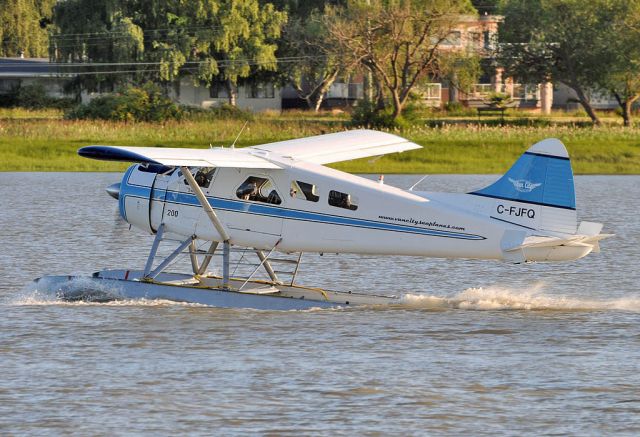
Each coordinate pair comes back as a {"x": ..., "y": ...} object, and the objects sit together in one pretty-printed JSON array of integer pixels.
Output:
[{"x": 27, "y": 67}]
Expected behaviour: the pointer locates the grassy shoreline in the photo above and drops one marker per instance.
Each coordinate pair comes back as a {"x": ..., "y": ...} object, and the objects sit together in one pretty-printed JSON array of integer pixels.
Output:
[{"x": 50, "y": 144}]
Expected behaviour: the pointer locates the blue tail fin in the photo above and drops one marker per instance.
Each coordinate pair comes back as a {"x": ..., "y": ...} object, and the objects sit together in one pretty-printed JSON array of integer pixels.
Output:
[{"x": 542, "y": 176}]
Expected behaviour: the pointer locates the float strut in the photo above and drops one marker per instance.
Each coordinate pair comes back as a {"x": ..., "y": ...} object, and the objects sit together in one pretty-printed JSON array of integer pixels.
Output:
[
  {"x": 154, "y": 250},
  {"x": 226, "y": 251},
  {"x": 295, "y": 272},
  {"x": 194, "y": 259},
  {"x": 207, "y": 258},
  {"x": 163, "y": 265},
  {"x": 267, "y": 266},
  {"x": 261, "y": 263}
]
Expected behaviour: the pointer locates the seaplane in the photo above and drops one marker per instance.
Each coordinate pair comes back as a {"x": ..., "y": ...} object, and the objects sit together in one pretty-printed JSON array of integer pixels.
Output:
[{"x": 279, "y": 200}]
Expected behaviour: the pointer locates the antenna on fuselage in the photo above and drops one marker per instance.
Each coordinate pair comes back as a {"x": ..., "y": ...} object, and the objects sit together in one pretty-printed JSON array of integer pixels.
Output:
[
  {"x": 416, "y": 184},
  {"x": 239, "y": 133}
]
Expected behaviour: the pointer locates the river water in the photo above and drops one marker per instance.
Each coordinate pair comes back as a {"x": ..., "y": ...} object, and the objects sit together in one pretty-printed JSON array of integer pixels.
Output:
[{"x": 479, "y": 348}]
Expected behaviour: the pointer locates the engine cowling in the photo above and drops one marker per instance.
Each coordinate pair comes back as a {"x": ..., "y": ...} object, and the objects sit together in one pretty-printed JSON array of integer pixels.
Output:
[{"x": 134, "y": 197}]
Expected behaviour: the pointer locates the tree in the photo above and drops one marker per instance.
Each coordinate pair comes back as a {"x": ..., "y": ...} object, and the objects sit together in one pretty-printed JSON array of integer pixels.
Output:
[
  {"x": 486, "y": 6},
  {"x": 622, "y": 77},
  {"x": 23, "y": 27},
  {"x": 311, "y": 62},
  {"x": 95, "y": 31},
  {"x": 400, "y": 41},
  {"x": 210, "y": 40},
  {"x": 568, "y": 41},
  {"x": 244, "y": 40}
]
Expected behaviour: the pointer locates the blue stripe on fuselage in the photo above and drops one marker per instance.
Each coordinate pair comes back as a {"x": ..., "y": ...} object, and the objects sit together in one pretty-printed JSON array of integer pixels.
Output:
[{"x": 175, "y": 197}]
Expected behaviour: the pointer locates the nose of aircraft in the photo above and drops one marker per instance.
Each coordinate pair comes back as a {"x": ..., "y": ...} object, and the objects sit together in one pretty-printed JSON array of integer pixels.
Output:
[{"x": 114, "y": 190}]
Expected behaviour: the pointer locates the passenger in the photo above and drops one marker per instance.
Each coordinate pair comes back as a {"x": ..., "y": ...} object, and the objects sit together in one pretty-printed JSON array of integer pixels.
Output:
[{"x": 274, "y": 198}]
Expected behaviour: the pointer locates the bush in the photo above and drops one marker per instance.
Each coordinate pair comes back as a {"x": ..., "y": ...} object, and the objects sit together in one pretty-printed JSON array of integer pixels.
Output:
[
  {"x": 366, "y": 115},
  {"x": 458, "y": 109},
  {"x": 147, "y": 103},
  {"x": 34, "y": 96},
  {"x": 223, "y": 112},
  {"x": 499, "y": 100},
  {"x": 228, "y": 111}
]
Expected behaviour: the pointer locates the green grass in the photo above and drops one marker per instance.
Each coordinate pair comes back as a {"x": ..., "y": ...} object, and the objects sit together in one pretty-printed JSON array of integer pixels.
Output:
[
  {"x": 14, "y": 113},
  {"x": 41, "y": 141},
  {"x": 460, "y": 149}
]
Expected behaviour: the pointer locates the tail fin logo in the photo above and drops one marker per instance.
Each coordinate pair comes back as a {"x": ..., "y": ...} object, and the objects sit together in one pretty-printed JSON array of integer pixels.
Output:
[{"x": 523, "y": 185}]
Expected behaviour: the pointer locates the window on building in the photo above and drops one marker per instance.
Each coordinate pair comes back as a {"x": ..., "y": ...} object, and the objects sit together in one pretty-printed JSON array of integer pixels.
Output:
[
  {"x": 431, "y": 91},
  {"x": 342, "y": 200},
  {"x": 453, "y": 39},
  {"x": 487, "y": 39},
  {"x": 105, "y": 87},
  {"x": 304, "y": 191},
  {"x": 260, "y": 91},
  {"x": 258, "y": 189},
  {"x": 474, "y": 40},
  {"x": 9, "y": 85},
  {"x": 218, "y": 91}
]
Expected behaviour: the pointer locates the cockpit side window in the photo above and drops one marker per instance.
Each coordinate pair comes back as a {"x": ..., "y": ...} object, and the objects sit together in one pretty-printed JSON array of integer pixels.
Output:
[
  {"x": 204, "y": 175},
  {"x": 342, "y": 200},
  {"x": 258, "y": 189},
  {"x": 304, "y": 191}
]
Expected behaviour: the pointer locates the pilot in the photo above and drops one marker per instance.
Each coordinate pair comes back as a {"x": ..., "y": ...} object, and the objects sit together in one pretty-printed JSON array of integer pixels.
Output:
[
  {"x": 201, "y": 178},
  {"x": 249, "y": 191}
]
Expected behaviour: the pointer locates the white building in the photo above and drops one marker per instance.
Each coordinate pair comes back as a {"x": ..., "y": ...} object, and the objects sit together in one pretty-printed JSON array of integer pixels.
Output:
[{"x": 256, "y": 98}]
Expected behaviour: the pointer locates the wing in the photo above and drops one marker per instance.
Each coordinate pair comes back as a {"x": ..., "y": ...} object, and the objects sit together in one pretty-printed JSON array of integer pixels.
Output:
[
  {"x": 341, "y": 146},
  {"x": 320, "y": 149},
  {"x": 240, "y": 158}
]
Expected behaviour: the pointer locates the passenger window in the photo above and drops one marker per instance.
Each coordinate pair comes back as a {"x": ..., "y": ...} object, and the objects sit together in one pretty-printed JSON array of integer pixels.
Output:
[
  {"x": 304, "y": 191},
  {"x": 342, "y": 200},
  {"x": 258, "y": 190}
]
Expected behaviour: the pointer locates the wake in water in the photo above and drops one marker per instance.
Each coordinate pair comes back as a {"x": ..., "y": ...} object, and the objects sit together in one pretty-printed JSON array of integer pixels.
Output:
[
  {"x": 82, "y": 291},
  {"x": 533, "y": 298}
]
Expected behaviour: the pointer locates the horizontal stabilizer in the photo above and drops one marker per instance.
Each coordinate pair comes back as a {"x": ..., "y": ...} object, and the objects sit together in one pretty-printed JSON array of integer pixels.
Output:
[
  {"x": 538, "y": 248},
  {"x": 589, "y": 228},
  {"x": 574, "y": 240}
]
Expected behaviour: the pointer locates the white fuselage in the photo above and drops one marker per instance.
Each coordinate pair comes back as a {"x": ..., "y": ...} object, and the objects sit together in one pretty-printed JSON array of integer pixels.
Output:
[{"x": 387, "y": 221}]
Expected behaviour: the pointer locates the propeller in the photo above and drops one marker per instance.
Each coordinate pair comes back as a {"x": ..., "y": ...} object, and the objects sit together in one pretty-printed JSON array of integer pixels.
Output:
[{"x": 113, "y": 190}]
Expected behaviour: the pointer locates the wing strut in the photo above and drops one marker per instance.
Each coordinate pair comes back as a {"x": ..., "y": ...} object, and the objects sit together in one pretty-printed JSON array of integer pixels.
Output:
[{"x": 216, "y": 223}]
